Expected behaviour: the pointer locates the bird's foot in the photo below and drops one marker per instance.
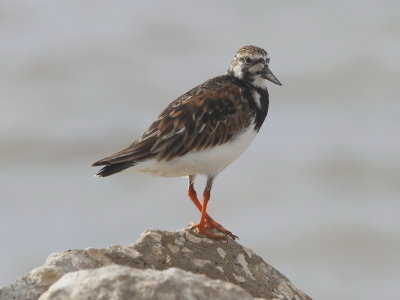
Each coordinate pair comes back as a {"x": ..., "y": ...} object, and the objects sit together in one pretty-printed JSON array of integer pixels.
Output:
[
  {"x": 211, "y": 224},
  {"x": 201, "y": 228}
]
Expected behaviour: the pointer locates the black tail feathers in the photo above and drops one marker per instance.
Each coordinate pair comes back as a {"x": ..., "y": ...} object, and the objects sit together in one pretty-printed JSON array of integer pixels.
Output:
[{"x": 114, "y": 168}]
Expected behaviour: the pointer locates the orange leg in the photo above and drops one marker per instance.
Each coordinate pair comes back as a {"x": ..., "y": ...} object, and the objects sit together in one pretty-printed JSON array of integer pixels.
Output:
[
  {"x": 201, "y": 226},
  {"x": 193, "y": 196},
  {"x": 206, "y": 222}
]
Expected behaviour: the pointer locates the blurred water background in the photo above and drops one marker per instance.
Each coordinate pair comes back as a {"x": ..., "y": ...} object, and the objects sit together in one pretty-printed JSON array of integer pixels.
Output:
[{"x": 316, "y": 194}]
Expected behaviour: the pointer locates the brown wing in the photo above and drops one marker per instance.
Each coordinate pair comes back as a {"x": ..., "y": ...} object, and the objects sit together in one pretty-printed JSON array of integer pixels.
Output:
[{"x": 200, "y": 119}]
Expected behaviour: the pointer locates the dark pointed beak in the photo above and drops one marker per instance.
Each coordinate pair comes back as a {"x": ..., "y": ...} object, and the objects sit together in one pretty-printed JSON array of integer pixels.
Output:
[{"x": 267, "y": 74}]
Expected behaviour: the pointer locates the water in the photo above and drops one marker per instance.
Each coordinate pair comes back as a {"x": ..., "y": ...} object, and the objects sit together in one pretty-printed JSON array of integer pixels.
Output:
[{"x": 316, "y": 194}]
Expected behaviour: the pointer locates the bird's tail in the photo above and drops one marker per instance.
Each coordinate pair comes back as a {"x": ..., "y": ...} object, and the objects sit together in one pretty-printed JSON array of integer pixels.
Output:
[{"x": 113, "y": 168}]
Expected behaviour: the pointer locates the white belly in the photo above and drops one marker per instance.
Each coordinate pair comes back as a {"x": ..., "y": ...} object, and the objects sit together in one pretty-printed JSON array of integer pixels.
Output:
[{"x": 205, "y": 162}]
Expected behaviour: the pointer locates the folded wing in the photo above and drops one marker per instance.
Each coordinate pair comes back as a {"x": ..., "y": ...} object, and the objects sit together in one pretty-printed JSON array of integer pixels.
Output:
[{"x": 195, "y": 121}]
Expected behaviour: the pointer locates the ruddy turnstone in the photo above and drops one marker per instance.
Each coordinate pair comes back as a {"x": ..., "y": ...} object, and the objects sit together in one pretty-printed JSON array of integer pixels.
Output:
[{"x": 203, "y": 131}]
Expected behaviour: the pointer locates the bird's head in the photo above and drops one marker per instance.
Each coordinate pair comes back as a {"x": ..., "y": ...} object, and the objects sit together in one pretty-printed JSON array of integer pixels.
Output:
[{"x": 251, "y": 65}]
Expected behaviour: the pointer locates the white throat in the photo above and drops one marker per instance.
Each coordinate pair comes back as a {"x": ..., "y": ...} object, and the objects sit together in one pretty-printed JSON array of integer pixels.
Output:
[{"x": 259, "y": 82}]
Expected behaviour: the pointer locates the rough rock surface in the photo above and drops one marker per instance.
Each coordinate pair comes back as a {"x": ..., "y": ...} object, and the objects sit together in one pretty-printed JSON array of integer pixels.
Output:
[
  {"x": 225, "y": 260},
  {"x": 119, "y": 282}
]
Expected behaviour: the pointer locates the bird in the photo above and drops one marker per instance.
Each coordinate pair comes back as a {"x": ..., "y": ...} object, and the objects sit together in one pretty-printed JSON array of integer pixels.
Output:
[{"x": 203, "y": 131}]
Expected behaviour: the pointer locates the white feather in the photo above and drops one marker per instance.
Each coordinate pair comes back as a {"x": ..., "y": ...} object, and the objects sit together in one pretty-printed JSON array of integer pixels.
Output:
[
  {"x": 256, "y": 97},
  {"x": 260, "y": 82},
  {"x": 237, "y": 71},
  {"x": 205, "y": 162}
]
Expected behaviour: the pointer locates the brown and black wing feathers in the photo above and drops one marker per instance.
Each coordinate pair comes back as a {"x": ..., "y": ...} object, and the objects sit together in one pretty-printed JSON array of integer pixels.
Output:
[{"x": 209, "y": 115}]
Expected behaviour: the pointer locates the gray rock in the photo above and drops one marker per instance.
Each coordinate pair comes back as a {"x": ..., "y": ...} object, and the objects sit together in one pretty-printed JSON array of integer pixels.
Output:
[
  {"x": 119, "y": 282},
  {"x": 225, "y": 260}
]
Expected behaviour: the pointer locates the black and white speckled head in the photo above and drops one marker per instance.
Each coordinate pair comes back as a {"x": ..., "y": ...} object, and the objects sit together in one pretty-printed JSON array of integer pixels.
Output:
[{"x": 251, "y": 65}]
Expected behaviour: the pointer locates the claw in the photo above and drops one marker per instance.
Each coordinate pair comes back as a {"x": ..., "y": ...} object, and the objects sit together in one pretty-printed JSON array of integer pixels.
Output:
[
  {"x": 208, "y": 226},
  {"x": 202, "y": 230},
  {"x": 211, "y": 224}
]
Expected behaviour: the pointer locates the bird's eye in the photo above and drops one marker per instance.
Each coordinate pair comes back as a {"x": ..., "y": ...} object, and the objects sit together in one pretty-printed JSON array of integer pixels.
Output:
[{"x": 248, "y": 60}]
